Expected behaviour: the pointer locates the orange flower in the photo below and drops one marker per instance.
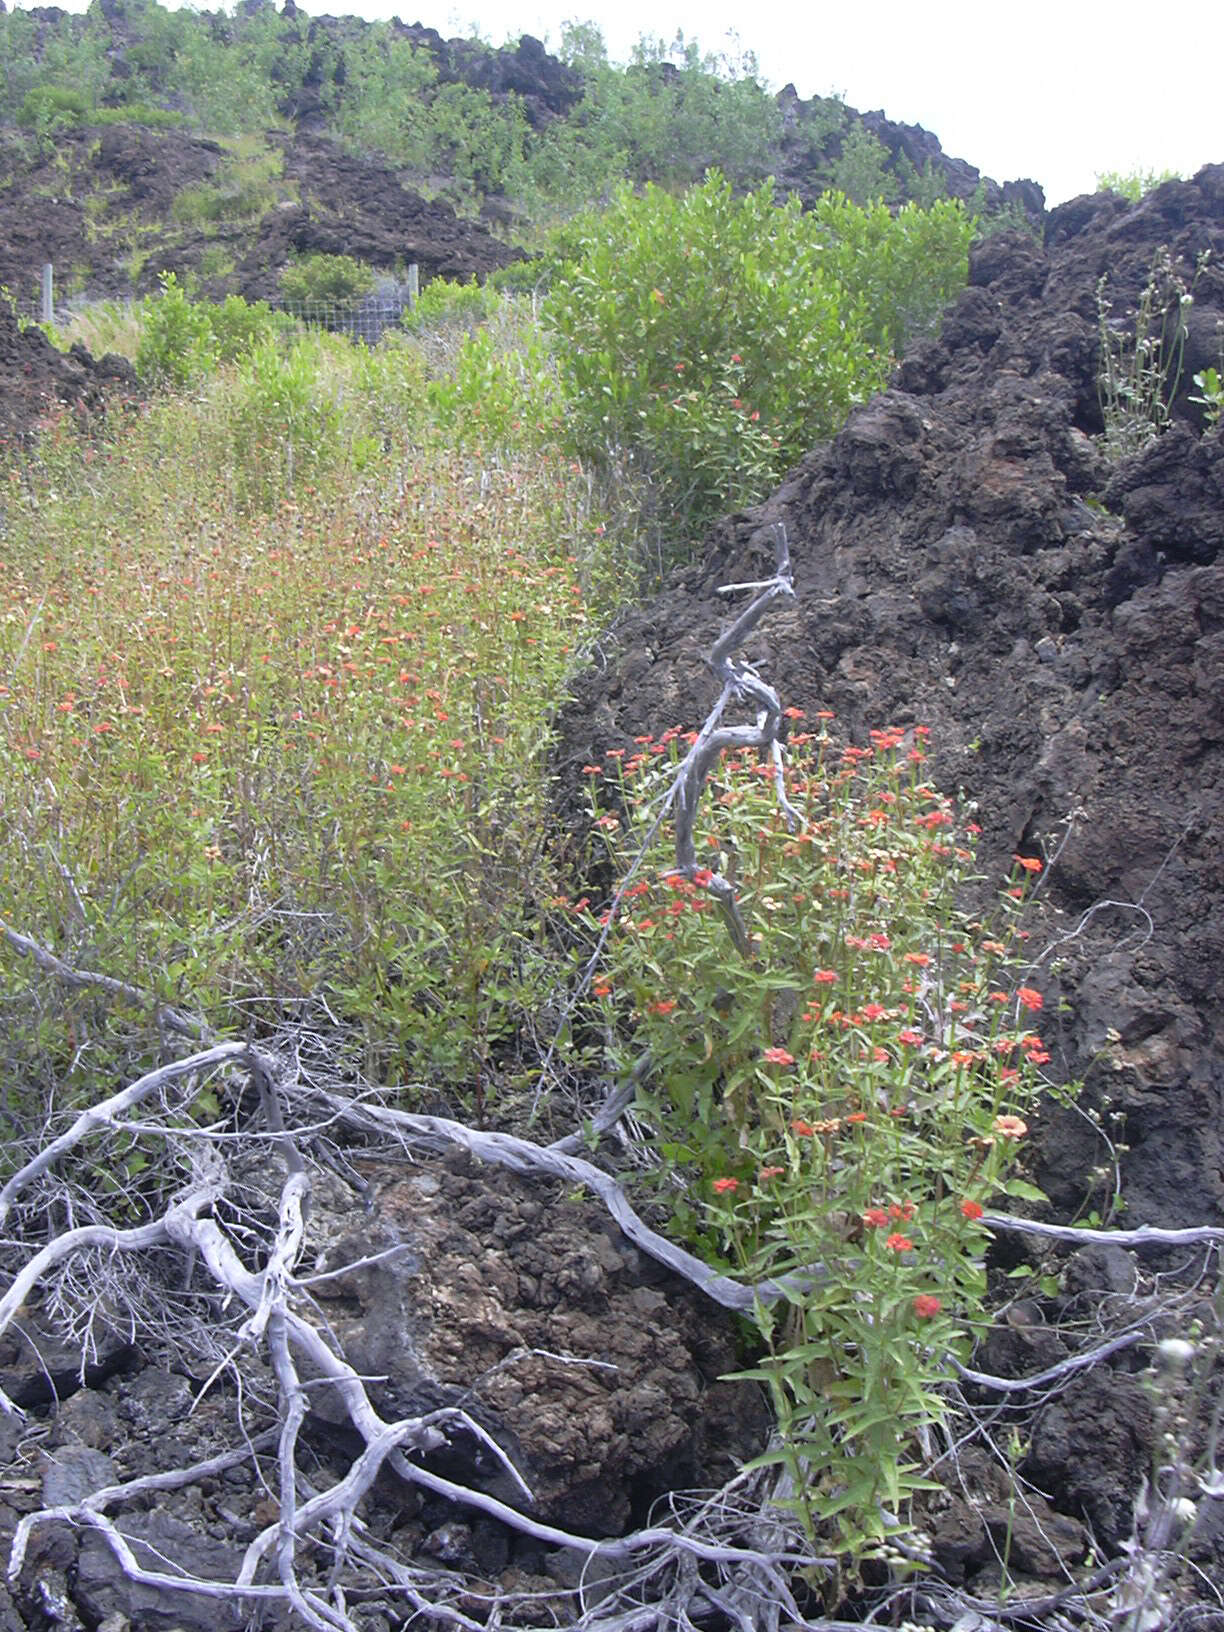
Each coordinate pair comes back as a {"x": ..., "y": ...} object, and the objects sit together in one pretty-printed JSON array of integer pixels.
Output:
[
  {"x": 725, "y": 1187},
  {"x": 769, "y": 1173},
  {"x": 1030, "y": 998},
  {"x": 925, "y": 1305},
  {"x": 971, "y": 1209},
  {"x": 803, "y": 1129},
  {"x": 1029, "y": 863},
  {"x": 875, "y": 1218},
  {"x": 778, "y": 1056},
  {"x": 899, "y": 1243},
  {"x": 662, "y": 1005}
]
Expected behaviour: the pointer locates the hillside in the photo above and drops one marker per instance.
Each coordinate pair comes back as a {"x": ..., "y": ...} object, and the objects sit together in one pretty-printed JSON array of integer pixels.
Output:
[{"x": 135, "y": 140}]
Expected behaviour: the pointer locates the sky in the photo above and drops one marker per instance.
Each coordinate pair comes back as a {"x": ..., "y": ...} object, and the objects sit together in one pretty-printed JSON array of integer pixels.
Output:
[{"x": 1055, "y": 91}]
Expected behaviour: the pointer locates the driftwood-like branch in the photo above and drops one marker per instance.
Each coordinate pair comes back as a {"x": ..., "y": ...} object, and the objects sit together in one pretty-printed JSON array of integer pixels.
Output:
[
  {"x": 523, "y": 1156},
  {"x": 168, "y": 1018},
  {"x": 742, "y": 683},
  {"x": 108, "y": 1111},
  {"x": 1147, "y": 1235}
]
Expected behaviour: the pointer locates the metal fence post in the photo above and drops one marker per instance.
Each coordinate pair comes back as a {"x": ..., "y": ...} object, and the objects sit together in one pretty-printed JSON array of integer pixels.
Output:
[
  {"x": 48, "y": 294},
  {"x": 414, "y": 284}
]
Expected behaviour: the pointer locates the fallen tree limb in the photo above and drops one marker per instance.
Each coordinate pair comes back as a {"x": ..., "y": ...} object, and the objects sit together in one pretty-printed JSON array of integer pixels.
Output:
[
  {"x": 167, "y": 1017},
  {"x": 523, "y": 1156}
]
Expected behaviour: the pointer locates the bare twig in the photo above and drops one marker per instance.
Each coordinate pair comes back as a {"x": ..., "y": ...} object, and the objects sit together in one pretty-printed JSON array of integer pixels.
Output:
[{"x": 167, "y": 1017}]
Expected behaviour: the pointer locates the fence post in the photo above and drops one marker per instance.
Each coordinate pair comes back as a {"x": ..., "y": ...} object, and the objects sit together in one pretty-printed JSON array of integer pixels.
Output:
[
  {"x": 48, "y": 293},
  {"x": 414, "y": 284}
]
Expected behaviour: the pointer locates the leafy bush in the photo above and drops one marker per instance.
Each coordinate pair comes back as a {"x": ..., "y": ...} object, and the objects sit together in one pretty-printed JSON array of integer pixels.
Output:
[
  {"x": 861, "y": 171},
  {"x": 1132, "y": 184},
  {"x": 183, "y": 340},
  {"x": 285, "y": 420},
  {"x": 839, "y": 1110},
  {"x": 47, "y": 106},
  {"x": 177, "y": 345},
  {"x": 501, "y": 389},
  {"x": 326, "y": 278},
  {"x": 906, "y": 265},
  {"x": 445, "y": 301},
  {"x": 713, "y": 339}
]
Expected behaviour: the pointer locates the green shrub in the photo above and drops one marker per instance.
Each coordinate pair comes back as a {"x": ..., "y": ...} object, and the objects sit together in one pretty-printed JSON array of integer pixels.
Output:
[
  {"x": 501, "y": 390},
  {"x": 285, "y": 420},
  {"x": 1132, "y": 184},
  {"x": 326, "y": 278},
  {"x": 183, "y": 340},
  {"x": 713, "y": 339},
  {"x": 137, "y": 113},
  {"x": 444, "y": 301},
  {"x": 178, "y": 345},
  {"x": 237, "y": 326},
  {"x": 46, "y": 106}
]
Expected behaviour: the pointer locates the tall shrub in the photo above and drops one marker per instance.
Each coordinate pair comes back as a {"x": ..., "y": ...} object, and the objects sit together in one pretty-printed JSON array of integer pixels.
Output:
[{"x": 713, "y": 339}]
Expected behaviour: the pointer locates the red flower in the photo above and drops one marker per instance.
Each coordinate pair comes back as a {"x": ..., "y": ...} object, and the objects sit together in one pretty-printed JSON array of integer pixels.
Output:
[
  {"x": 778, "y": 1056},
  {"x": 825, "y": 977},
  {"x": 971, "y": 1209},
  {"x": 925, "y": 1306},
  {"x": 725, "y": 1187},
  {"x": 1029, "y": 863},
  {"x": 770, "y": 1173},
  {"x": 803, "y": 1129},
  {"x": 899, "y": 1243},
  {"x": 662, "y": 1005},
  {"x": 920, "y": 958},
  {"x": 1030, "y": 998},
  {"x": 875, "y": 1218}
]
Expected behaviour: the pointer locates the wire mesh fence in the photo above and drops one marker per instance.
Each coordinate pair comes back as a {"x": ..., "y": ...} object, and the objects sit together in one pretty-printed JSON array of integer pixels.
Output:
[{"x": 366, "y": 318}]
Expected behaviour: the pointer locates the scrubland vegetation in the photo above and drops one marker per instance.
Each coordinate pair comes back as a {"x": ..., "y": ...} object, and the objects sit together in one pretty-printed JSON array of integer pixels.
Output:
[{"x": 280, "y": 653}]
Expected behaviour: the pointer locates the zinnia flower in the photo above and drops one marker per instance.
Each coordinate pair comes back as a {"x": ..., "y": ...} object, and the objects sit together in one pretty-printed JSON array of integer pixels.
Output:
[
  {"x": 778, "y": 1056},
  {"x": 971, "y": 1209},
  {"x": 925, "y": 1306},
  {"x": 1030, "y": 998},
  {"x": 899, "y": 1243},
  {"x": 725, "y": 1187},
  {"x": 1010, "y": 1127}
]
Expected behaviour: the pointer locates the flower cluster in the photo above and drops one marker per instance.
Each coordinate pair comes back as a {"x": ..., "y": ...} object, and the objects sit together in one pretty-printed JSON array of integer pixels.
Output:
[{"x": 852, "y": 1095}]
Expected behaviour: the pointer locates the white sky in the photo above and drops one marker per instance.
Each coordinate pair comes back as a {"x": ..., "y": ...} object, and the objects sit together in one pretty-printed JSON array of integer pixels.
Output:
[{"x": 1055, "y": 90}]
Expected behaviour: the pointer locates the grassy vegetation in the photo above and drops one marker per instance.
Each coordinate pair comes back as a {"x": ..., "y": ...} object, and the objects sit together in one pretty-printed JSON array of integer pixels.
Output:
[{"x": 278, "y": 668}]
